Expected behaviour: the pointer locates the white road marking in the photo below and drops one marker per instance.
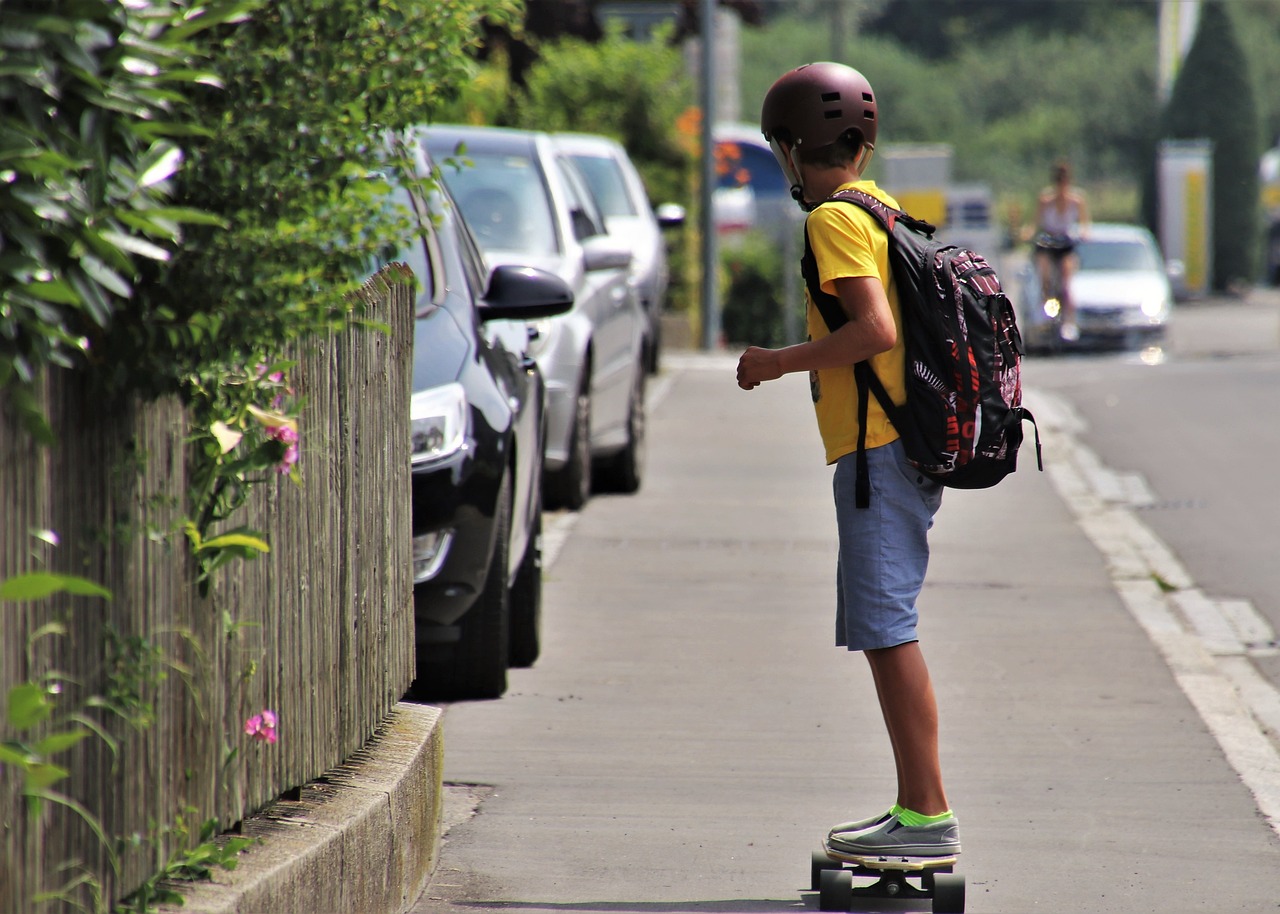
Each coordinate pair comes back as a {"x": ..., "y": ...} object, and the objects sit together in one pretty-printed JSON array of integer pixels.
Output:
[{"x": 1207, "y": 642}]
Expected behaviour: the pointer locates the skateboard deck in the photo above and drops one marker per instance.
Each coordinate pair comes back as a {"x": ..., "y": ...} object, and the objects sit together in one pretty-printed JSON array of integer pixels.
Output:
[
  {"x": 832, "y": 874},
  {"x": 885, "y": 862}
]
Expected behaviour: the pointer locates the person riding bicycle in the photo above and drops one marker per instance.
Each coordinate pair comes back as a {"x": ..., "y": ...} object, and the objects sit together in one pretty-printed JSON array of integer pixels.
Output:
[{"x": 1062, "y": 215}]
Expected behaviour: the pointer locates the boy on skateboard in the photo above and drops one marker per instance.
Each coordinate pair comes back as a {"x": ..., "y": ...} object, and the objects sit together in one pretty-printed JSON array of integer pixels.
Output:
[{"x": 820, "y": 120}]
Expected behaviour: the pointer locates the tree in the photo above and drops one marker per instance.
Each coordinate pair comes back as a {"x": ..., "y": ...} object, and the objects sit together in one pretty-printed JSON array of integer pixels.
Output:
[
  {"x": 1213, "y": 98},
  {"x": 937, "y": 29},
  {"x": 633, "y": 92}
]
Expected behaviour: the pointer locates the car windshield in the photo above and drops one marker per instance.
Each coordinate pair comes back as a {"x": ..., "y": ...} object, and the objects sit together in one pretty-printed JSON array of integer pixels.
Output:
[
  {"x": 504, "y": 201},
  {"x": 607, "y": 185},
  {"x": 1117, "y": 255}
]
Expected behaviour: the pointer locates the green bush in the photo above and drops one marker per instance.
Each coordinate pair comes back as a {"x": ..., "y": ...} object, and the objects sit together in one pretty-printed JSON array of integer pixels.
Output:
[
  {"x": 182, "y": 182},
  {"x": 93, "y": 119},
  {"x": 753, "y": 307},
  {"x": 310, "y": 87}
]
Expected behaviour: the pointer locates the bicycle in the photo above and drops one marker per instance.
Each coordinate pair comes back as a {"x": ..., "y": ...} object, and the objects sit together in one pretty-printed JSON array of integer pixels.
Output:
[{"x": 1053, "y": 289}]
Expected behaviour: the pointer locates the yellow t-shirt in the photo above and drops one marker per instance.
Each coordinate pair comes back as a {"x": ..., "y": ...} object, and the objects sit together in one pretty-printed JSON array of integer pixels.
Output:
[{"x": 848, "y": 242}]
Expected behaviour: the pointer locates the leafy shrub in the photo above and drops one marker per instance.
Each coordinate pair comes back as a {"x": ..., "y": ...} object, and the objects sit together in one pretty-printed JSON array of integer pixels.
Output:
[
  {"x": 753, "y": 306},
  {"x": 182, "y": 181},
  {"x": 92, "y": 116},
  {"x": 282, "y": 155}
]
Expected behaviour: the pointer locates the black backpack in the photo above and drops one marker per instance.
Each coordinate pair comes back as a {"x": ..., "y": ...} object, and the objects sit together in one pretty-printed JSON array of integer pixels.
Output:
[{"x": 962, "y": 421}]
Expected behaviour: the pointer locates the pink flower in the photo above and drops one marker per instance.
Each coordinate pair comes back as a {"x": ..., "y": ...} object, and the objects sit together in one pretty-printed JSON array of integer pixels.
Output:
[
  {"x": 288, "y": 436},
  {"x": 262, "y": 727},
  {"x": 275, "y": 376},
  {"x": 288, "y": 460}
]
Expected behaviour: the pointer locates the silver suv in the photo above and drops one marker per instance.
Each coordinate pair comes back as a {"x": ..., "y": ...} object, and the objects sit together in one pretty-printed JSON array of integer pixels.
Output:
[{"x": 527, "y": 203}]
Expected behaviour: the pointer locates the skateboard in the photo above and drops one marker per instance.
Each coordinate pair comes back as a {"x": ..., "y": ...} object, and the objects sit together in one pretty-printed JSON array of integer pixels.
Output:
[{"x": 832, "y": 876}]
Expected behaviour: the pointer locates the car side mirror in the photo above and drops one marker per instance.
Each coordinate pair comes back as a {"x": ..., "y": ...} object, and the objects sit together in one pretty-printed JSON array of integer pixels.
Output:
[
  {"x": 524, "y": 293},
  {"x": 605, "y": 253},
  {"x": 670, "y": 215}
]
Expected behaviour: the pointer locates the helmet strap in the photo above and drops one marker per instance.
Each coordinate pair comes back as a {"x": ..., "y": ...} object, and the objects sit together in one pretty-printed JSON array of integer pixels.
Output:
[
  {"x": 864, "y": 158},
  {"x": 797, "y": 194},
  {"x": 786, "y": 160}
]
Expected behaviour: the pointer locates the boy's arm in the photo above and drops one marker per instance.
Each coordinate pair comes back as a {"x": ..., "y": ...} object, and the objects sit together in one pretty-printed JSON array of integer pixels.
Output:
[{"x": 869, "y": 332}]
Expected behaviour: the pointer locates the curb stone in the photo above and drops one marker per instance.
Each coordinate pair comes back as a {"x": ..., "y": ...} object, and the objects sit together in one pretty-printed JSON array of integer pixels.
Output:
[{"x": 363, "y": 838}]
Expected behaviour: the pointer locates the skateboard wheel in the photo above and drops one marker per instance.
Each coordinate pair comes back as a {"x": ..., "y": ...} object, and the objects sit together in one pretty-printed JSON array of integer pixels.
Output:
[
  {"x": 948, "y": 893},
  {"x": 835, "y": 890},
  {"x": 820, "y": 862}
]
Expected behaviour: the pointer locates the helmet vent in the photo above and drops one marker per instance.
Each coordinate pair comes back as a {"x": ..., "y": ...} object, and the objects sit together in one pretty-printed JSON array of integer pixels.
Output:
[
  {"x": 833, "y": 115},
  {"x": 868, "y": 98},
  {"x": 831, "y": 96}
]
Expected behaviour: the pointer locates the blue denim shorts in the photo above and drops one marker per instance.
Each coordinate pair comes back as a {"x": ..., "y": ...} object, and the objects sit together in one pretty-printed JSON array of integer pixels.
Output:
[{"x": 884, "y": 549}]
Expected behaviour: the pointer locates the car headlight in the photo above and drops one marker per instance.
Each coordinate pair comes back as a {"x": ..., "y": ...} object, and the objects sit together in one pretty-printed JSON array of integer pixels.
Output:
[
  {"x": 1153, "y": 305},
  {"x": 437, "y": 422}
]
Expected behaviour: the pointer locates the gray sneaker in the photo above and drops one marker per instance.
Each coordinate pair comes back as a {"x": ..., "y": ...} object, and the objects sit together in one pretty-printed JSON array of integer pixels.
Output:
[
  {"x": 892, "y": 838},
  {"x": 861, "y": 824}
]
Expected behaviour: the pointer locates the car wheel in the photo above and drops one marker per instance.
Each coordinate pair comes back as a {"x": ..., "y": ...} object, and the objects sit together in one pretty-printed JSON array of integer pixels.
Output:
[
  {"x": 654, "y": 355},
  {"x": 625, "y": 471},
  {"x": 526, "y": 598},
  {"x": 570, "y": 487},
  {"x": 475, "y": 666}
]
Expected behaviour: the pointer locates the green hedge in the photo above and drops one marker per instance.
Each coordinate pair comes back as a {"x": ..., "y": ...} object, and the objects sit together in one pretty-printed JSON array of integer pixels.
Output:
[{"x": 183, "y": 182}]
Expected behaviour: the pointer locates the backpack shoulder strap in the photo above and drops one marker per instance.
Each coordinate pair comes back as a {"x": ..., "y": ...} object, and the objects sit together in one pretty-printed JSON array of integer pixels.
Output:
[
  {"x": 827, "y": 304},
  {"x": 886, "y": 215}
]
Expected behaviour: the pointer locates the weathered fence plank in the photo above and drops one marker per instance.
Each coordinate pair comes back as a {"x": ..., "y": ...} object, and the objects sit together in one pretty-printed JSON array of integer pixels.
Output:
[{"x": 320, "y": 630}]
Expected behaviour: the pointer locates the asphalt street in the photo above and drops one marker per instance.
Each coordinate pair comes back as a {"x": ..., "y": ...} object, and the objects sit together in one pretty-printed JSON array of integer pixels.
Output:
[{"x": 691, "y": 731}]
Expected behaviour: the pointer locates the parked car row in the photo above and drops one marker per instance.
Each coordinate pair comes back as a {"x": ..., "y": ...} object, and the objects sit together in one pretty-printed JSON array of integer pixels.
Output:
[{"x": 532, "y": 346}]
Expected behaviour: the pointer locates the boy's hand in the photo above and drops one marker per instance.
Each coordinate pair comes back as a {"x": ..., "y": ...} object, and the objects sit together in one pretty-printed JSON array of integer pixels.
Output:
[{"x": 758, "y": 365}]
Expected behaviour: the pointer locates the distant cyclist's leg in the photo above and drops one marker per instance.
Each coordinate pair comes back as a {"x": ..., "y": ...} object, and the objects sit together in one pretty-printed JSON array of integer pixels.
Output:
[{"x": 1044, "y": 266}]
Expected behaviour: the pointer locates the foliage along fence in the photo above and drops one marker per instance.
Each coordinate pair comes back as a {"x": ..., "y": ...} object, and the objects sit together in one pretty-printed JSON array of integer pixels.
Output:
[{"x": 319, "y": 630}]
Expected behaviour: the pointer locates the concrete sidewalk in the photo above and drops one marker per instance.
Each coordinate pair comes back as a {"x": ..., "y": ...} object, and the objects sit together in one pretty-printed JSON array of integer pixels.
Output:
[{"x": 690, "y": 732}]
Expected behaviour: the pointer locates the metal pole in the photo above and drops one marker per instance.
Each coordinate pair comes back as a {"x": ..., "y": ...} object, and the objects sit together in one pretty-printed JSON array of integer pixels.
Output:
[
  {"x": 710, "y": 258},
  {"x": 839, "y": 27},
  {"x": 790, "y": 282}
]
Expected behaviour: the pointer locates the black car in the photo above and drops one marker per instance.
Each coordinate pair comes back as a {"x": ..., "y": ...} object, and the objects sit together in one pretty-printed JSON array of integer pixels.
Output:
[{"x": 478, "y": 426}]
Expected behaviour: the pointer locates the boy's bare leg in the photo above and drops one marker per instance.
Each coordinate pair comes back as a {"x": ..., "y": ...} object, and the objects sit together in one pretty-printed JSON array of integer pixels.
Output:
[{"x": 911, "y": 715}]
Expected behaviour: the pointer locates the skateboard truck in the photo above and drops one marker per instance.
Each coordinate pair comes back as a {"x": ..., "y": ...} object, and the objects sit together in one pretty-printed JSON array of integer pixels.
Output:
[{"x": 833, "y": 877}]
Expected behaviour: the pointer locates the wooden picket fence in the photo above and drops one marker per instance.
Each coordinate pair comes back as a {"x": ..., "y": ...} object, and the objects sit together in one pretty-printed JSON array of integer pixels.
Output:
[{"x": 320, "y": 630}]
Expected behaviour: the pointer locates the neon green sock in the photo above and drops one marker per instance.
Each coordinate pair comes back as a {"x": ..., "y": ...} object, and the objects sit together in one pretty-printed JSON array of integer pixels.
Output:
[
  {"x": 896, "y": 809},
  {"x": 915, "y": 819}
]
